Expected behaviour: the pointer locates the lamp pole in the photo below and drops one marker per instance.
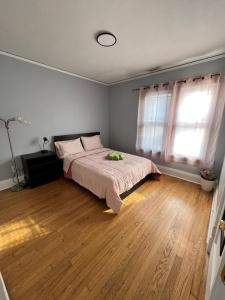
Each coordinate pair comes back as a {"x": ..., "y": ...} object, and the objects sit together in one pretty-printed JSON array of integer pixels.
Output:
[{"x": 17, "y": 187}]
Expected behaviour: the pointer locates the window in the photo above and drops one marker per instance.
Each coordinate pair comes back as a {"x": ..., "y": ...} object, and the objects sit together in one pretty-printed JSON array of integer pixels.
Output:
[
  {"x": 181, "y": 122},
  {"x": 192, "y": 122}
]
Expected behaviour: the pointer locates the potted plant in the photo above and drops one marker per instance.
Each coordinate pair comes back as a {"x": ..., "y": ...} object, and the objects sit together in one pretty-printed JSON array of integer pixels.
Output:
[{"x": 207, "y": 179}]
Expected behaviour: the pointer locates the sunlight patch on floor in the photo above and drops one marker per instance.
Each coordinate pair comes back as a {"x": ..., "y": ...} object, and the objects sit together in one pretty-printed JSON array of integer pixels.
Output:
[
  {"x": 132, "y": 199},
  {"x": 17, "y": 232},
  {"x": 109, "y": 211}
]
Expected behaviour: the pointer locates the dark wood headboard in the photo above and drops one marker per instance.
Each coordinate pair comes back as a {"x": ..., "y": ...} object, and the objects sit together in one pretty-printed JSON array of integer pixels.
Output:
[{"x": 58, "y": 138}]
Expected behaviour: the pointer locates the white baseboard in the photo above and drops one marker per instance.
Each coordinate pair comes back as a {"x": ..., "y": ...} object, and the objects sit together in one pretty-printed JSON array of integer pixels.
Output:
[
  {"x": 8, "y": 183},
  {"x": 212, "y": 221},
  {"x": 180, "y": 174},
  {"x": 3, "y": 292}
]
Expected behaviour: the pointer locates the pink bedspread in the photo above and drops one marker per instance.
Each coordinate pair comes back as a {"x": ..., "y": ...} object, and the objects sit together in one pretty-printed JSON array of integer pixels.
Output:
[{"x": 107, "y": 178}]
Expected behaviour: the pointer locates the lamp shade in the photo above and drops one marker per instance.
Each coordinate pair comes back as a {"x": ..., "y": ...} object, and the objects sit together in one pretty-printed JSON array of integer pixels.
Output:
[{"x": 45, "y": 139}]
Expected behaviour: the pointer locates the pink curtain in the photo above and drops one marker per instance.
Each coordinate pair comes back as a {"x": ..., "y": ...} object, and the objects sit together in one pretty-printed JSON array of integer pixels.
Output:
[
  {"x": 153, "y": 114},
  {"x": 181, "y": 122}
]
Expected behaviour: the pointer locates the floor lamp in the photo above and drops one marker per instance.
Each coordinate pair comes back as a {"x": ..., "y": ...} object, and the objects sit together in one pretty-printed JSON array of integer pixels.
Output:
[{"x": 17, "y": 187}]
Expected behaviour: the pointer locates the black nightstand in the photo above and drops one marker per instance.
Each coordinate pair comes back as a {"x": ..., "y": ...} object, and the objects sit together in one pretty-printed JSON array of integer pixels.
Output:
[{"x": 40, "y": 168}]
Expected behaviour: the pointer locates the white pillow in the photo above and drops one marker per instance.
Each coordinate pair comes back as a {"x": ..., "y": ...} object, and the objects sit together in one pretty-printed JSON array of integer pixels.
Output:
[
  {"x": 92, "y": 142},
  {"x": 65, "y": 148}
]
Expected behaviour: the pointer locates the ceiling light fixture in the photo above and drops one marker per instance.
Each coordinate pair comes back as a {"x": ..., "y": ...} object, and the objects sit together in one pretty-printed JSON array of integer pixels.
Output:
[{"x": 106, "y": 39}]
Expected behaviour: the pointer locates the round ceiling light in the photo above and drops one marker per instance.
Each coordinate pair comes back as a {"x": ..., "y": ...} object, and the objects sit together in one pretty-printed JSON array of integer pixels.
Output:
[{"x": 106, "y": 39}]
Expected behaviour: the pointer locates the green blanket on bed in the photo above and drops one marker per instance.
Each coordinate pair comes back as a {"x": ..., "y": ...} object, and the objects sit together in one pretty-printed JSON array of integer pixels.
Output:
[{"x": 115, "y": 155}]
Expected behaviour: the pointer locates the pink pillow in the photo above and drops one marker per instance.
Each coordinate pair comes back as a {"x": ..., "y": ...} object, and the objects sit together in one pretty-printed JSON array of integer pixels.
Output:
[
  {"x": 92, "y": 142},
  {"x": 65, "y": 148}
]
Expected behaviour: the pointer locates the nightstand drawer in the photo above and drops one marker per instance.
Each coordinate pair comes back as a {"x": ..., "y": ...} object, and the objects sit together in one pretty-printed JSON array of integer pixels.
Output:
[
  {"x": 41, "y": 160},
  {"x": 43, "y": 168},
  {"x": 44, "y": 178}
]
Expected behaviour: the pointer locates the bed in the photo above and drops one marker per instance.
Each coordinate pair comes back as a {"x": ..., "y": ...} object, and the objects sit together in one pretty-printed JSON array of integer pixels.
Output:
[{"x": 107, "y": 179}]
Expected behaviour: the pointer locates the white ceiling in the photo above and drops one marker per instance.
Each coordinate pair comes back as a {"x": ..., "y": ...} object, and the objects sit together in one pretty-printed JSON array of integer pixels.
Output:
[{"x": 149, "y": 33}]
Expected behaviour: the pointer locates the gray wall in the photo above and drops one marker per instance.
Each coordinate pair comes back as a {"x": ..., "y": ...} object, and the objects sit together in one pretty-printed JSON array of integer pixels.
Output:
[
  {"x": 61, "y": 104},
  {"x": 55, "y": 103},
  {"x": 123, "y": 107}
]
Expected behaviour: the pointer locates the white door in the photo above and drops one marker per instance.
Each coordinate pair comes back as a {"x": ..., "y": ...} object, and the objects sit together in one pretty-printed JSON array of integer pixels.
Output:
[
  {"x": 215, "y": 287},
  {"x": 217, "y": 206},
  {"x": 218, "y": 290}
]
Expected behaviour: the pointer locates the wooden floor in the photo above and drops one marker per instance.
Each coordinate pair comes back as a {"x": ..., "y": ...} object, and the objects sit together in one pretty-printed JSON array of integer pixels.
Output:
[{"x": 60, "y": 242}]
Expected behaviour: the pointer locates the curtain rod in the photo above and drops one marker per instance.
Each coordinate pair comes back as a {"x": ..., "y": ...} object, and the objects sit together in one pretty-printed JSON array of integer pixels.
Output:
[{"x": 180, "y": 81}]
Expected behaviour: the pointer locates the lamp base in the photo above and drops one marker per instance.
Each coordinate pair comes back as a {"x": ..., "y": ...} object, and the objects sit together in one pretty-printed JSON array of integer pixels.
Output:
[
  {"x": 16, "y": 188},
  {"x": 44, "y": 151}
]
